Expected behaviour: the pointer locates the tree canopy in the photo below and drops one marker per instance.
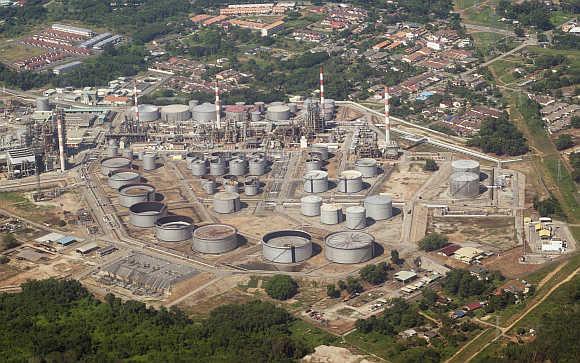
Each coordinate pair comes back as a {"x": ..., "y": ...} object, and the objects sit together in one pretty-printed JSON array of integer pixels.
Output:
[
  {"x": 501, "y": 137},
  {"x": 433, "y": 241},
  {"x": 281, "y": 287}
]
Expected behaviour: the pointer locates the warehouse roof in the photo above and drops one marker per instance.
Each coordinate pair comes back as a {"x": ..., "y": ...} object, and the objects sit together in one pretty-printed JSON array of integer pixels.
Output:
[
  {"x": 51, "y": 237},
  {"x": 88, "y": 248},
  {"x": 405, "y": 275},
  {"x": 20, "y": 155}
]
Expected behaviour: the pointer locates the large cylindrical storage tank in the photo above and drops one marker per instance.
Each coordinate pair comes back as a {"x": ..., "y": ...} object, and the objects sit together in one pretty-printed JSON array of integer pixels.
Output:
[
  {"x": 147, "y": 113},
  {"x": 278, "y": 113},
  {"x": 316, "y": 181},
  {"x": 173, "y": 228},
  {"x": 251, "y": 186},
  {"x": 257, "y": 166},
  {"x": 330, "y": 214},
  {"x": 206, "y": 112},
  {"x": 287, "y": 246},
  {"x": 42, "y": 104},
  {"x": 215, "y": 239},
  {"x": 136, "y": 193},
  {"x": 465, "y": 166},
  {"x": 367, "y": 167},
  {"x": 310, "y": 205},
  {"x": 217, "y": 166},
  {"x": 189, "y": 158},
  {"x": 226, "y": 202},
  {"x": 238, "y": 166},
  {"x": 349, "y": 247},
  {"x": 464, "y": 185},
  {"x": 149, "y": 161},
  {"x": 356, "y": 217},
  {"x": 322, "y": 149},
  {"x": 123, "y": 177},
  {"x": 209, "y": 185},
  {"x": 350, "y": 181},
  {"x": 174, "y": 113},
  {"x": 199, "y": 167},
  {"x": 146, "y": 214},
  {"x": 236, "y": 113},
  {"x": 109, "y": 165},
  {"x": 312, "y": 164},
  {"x": 379, "y": 207}
]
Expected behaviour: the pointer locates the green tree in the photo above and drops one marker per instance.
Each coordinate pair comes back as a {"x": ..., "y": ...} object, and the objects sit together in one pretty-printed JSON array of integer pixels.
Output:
[
  {"x": 281, "y": 287},
  {"x": 353, "y": 285},
  {"x": 433, "y": 241},
  {"x": 395, "y": 258},
  {"x": 332, "y": 291},
  {"x": 375, "y": 274},
  {"x": 430, "y": 165},
  {"x": 10, "y": 241},
  {"x": 564, "y": 141}
]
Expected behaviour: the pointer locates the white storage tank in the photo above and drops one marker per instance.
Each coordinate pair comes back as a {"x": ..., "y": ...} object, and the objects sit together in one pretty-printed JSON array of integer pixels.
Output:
[
  {"x": 119, "y": 178},
  {"x": 136, "y": 193},
  {"x": 313, "y": 164},
  {"x": 367, "y": 167},
  {"x": 278, "y": 113},
  {"x": 465, "y": 166},
  {"x": 217, "y": 166},
  {"x": 350, "y": 181},
  {"x": 251, "y": 186},
  {"x": 173, "y": 228},
  {"x": 349, "y": 247},
  {"x": 464, "y": 185},
  {"x": 238, "y": 166},
  {"x": 149, "y": 161},
  {"x": 147, "y": 113},
  {"x": 206, "y": 112},
  {"x": 330, "y": 214},
  {"x": 198, "y": 167},
  {"x": 322, "y": 149},
  {"x": 209, "y": 185},
  {"x": 310, "y": 205},
  {"x": 146, "y": 214},
  {"x": 356, "y": 217},
  {"x": 379, "y": 207},
  {"x": 226, "y": 202},
  {"x": 287, "y": 246},
  {"x": 215, "y": 239},
  {"x": 109, "y": 165},
  {"x": 316, "y": 181},
  {"x": 257, "y": 166}
]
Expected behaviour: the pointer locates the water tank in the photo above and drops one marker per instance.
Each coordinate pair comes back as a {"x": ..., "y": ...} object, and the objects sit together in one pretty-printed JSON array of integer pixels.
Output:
[
  {"x": 173, "y": 228},
  {"x": 209, "y": 185},
  {"x": 251, "y": 186},
  {"x": 149, "y": 161},
  {"x": 257, "y": 166},
  {"x": 199, "y": 167},
  {"x": 136, "y": 193},
  {"x": 330, "y": 214},
  {"x": 206, "y": 112},
  {"x": 320, "y": 148},
  {"x": 238, "y": 166},
  {"x": 465, "y": 166},
  {"x": 122, "y": 177},
  {"x": 464, "y": 184},
  {"x": 226, "y": 202},
  {"x": 349, "y": 247},
  {"x": 146, "y": 214},
  {"x": 316, "y": 181},
  {"x": 215, "y": 239},
  {"x": 175, "y": 113},
  {"x": 367, "y": 167},
  {"x": 147, "y": 113},
  {"x": 278, "y": 113},
  {"x": 217, "y": 166},
  {"x": 356, "y": 217},
  {"x": 42, "y": 104},
  {"x": 379, "y": 207},
  {"x": 350, "y": 181},
  {"x": 313, "y": 164},
  {"x": 287, "y": 246},
  {"x": 109, "y": 165},
  {"x": 310, "y": 205}
]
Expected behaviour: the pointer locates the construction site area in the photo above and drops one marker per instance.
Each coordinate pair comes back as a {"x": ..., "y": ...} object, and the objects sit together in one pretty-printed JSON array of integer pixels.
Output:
[{"x": 185, "y": 204}]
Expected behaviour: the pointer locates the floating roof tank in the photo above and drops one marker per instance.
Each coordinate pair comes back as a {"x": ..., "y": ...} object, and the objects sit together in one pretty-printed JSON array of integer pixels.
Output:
[
  {"x": 379, "y": 207},
  {"x": 349, "y": 247},
  {"x": 238, "y": 166},
  {"x": 251, "y": 186},
  {"x": 287, "y": 246},
  {"x": 226, "y": 202},
  {"x": 464, "y": 185},
  {"x": 217, "y": 166},
  {"x": 146, "y": 214},
  {"x": 322, "y": 149},
  {"x": 136, "y": 193},
  {"x": 312, "y": 164},
  {"x": 316, "y": 181},
  {"x": 356, "y": 217},
  {"x": 119, "y": 178},
  {"x": 350, "y": 181},
  {"x": 173, "y": 228},
  {"x": 367, "y": 167},
  {"x": 109, "y": 165},
  {"x": 209, "y": 185},
  {"x": 174, "y": 113},
  {"x": 215, "y": 239},
  {"x": 310, "y": 205},
  {"x": 330, "y": 214},
  {"x": 230, "y": 183}
]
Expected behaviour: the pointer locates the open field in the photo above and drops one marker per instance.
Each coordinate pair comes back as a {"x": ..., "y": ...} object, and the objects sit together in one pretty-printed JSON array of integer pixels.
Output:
[
  {"x": 475, "y": 345},
  {"x": 12, "y": 52},
  {"x": 498, "y": 232},
  {"x": 482, "y": 15}
]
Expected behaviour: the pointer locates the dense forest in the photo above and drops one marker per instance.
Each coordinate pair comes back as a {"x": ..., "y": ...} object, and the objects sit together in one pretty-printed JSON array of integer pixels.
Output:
[
  {"x": 501, "y": 137},
  {"x": 60, "y": 321},
  {"x": 529, "y": 13}
]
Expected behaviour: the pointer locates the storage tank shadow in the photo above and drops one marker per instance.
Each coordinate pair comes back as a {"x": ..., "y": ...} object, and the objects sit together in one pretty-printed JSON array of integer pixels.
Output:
[
  {"x": 174, "y": 228},
  {"x": 287, "y": 246}
]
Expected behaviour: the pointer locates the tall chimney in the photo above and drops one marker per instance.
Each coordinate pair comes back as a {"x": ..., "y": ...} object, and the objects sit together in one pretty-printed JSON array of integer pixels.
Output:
[
  {"x": 136, "y": 103},
  {"x": 218, "y": 109},
  {"x": 387, "y": 118},
  {"x": 321, "y": 90},
  {"x": 61, "y": 141}
]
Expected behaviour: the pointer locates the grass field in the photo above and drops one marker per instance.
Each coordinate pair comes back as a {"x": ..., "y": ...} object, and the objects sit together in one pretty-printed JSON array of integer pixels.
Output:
[
  {"x": 11, "y": 52},
  {"x": 503, "y": 70},
  {"x": 559, "y": 17},
  {"x": 482, "y": 15},
  {"x": 464, "y": 4},
  {"x": 475, "y": 345}
]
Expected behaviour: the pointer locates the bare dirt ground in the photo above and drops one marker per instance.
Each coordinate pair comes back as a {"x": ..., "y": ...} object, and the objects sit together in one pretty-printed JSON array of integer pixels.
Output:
[
  {"x": 19, "y": 272},
  {"x": 534, "y": 185},
  {"x": 496, "y": 232},
  {"x": 184, "y": 287},
  {"x": 508, "y": 263},
  {"x": 330, "y": 354},
  {"x": 405, "y": 180}
]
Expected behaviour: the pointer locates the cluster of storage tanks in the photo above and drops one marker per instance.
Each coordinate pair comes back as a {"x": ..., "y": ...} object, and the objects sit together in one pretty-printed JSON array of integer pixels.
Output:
[
  {"x": 376, "y": 207},
  {"x": 464, "y": 179},
  {"x": 295, "y": 246}
]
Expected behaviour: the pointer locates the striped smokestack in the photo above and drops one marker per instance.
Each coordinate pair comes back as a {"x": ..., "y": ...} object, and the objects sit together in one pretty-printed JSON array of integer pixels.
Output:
[
  {"x": 321, "y": 90},
  {"x": 217, "y": 105},
  {"x": 387, "y": 118}
]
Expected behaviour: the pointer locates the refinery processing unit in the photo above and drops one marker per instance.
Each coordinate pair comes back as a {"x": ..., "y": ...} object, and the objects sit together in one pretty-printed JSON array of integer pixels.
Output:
[{"x": 314, "y": 187}]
